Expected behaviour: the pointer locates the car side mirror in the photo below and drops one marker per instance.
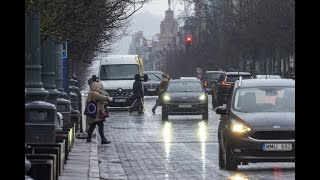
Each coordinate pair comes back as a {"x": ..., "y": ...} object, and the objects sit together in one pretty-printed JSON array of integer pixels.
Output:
[
  {"x": 145, "y": 77},
  {"x": 222, "y": 110}
]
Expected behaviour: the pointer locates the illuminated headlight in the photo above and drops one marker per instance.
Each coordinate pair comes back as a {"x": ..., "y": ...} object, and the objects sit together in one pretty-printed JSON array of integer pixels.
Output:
[
  {"x": 166, "y": 97},
  {"x": 239, "y": 128},
  {"x": 202, "y": 97}
]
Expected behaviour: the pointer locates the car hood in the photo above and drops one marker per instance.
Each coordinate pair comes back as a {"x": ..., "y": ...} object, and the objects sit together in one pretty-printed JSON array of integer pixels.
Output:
[
  {"x": 184, "y": 96},
  {"x": 115, "y": 84},
  {"x": 268, "y": 120}
]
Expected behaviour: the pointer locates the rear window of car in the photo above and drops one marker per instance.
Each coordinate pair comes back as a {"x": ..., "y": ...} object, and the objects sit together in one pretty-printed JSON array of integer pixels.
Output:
[
  {"x": 213, "y": 76},
  {"x": 233, "y": 78},
  {"x": 185, "y": 86}
]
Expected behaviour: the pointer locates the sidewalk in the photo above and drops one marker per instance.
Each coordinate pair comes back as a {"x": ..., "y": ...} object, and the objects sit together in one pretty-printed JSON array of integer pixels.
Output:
[{"x": 83, "y": 161}]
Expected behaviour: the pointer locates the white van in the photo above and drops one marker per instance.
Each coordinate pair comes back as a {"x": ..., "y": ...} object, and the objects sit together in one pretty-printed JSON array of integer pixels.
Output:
[{"x": 116, "y": 73}]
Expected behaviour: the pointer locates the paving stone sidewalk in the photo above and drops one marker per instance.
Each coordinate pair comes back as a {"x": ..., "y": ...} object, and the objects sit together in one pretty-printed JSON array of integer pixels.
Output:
[{"x": 83, "y": 161}]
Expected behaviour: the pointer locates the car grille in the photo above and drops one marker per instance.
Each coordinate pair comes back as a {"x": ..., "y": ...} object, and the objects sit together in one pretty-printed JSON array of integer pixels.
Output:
[
  {"x": 151, "y": 86},
  {"x": 123, "y": 93},
  {"x": 273, "y": 135},
  {"x": 188, "y": 100}
]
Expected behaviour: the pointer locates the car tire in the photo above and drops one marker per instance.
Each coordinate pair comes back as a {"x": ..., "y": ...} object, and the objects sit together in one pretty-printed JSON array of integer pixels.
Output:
[
  {"x": 229, "y": 162},
  {"x": 164, "y": 114},
  {"x": 205, "y": 115},
  {"x": 221, "y": 161}
]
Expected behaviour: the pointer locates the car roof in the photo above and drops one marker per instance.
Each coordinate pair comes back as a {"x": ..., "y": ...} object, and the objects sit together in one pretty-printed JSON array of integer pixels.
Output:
[
  {"x": 152, "y": 72},
  {"x": 185, "y": 80},
  {"x": 188, "y": 78},
  {"x": 265, "y": 82},
  {"x": 214, "y": 71},
  {"x": 237, "y": 73},
  {"x": 268, "y": 76}
]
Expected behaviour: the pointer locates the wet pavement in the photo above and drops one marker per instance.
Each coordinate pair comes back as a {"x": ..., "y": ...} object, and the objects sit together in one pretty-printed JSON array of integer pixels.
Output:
[{"x": 185, "y": 147}]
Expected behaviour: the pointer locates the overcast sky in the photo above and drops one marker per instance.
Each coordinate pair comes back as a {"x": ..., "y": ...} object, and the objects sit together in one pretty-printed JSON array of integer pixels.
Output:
[{"x": 148, "y": 20}]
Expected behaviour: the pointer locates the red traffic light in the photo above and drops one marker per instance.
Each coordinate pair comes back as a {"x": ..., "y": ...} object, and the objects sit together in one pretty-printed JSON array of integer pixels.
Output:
[{"x": 189, "y": 39}]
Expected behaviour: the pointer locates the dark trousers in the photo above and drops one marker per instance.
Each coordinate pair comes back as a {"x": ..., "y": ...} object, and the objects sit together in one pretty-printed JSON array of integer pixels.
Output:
[
  {"x": 138, "y": 103},
  {"x": 158, "y": 103},
  {"x": 92, "y": 126}
]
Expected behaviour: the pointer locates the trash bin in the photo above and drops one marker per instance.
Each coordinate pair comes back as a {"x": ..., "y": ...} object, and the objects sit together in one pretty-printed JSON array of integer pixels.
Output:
[{"x": 40, "y": 123}]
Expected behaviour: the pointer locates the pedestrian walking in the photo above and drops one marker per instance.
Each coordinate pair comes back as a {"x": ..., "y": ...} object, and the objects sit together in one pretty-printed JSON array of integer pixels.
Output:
[
  {"x": 96, "y": 94},
  {"x": 137, "y": 95},
  {"x": 162, "y": 87}
]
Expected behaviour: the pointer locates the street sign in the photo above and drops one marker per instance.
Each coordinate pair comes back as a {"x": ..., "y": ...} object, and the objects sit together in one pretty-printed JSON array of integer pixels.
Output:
[{"x": 64, "y": 51}]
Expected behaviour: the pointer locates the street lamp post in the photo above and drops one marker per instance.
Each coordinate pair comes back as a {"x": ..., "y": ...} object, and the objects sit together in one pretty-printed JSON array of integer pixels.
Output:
[
  {"x": 47, "y": 57},
  {"x": 33, "y": 85}
]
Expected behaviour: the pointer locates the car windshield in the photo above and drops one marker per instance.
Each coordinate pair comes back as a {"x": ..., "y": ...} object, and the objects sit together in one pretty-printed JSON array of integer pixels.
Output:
[
  {"x": 154, "y": 76},
  {"x": 185, "y": 86},
  {"x": 233, "y": 78},
  {"x": 265, "y": 99},
  {"x": 213, "y": 76},
  {"x": 118, "y": 71}
]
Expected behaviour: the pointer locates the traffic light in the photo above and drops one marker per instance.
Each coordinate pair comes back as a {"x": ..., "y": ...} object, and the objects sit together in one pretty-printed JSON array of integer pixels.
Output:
[{"x": 189, "y": 41}]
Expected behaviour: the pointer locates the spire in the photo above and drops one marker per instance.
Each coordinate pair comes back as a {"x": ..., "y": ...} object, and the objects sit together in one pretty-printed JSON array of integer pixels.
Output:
[{"x": 169, "y": 3}]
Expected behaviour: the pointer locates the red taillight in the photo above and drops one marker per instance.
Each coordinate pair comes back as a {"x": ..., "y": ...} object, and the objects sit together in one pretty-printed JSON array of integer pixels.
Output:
[
  {"x": 225, "y": 83},
  {"x": 205, "y": 83}
]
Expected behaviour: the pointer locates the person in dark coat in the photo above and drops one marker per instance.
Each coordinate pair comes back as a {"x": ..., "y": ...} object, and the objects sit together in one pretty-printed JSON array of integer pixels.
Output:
[{"x": 137, "y": 94}]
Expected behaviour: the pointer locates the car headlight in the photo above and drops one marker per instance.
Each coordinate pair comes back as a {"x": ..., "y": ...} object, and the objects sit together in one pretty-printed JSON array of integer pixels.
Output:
[
  {"x": 239, "y": 128},
  {"x": 166, "y": 97},
  {"x": 202, "y": 97}
]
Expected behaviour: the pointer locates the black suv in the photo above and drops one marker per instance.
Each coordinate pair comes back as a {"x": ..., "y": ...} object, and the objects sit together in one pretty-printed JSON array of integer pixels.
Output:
[
  {"x": 211, "y": 78},
  {"x": 223, "y": 88},
  {"x": 258, "y": 123}
]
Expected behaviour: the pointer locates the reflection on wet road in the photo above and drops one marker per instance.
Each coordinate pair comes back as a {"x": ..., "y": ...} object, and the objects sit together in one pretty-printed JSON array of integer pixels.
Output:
[{"x": 184, "y": 147}]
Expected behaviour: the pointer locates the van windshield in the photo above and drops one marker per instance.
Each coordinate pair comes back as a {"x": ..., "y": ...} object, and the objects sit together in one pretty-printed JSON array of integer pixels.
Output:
[{"x": 118, "y": 71}]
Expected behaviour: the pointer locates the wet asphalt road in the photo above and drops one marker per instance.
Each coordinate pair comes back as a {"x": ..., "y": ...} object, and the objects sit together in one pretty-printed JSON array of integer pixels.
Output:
[{"x": 185, "y": 147}]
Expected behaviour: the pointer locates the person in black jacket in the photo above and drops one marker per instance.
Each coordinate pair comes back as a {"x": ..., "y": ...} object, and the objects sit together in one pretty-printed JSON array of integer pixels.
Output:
[{"x": 137, "y": 94}]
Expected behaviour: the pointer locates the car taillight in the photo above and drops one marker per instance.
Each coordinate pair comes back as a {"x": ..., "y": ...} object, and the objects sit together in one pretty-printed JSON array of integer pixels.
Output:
[
  {"x": 205, "y": 83},
  {"x": 225, "y": 83}
]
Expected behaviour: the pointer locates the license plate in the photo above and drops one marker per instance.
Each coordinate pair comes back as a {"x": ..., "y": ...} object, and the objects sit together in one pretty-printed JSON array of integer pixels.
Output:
[
  {"x": 184, "y": 106},
  {"x": 151, "y": 89},
  {"x": 119, "y": 100},
  {"x": 277, "y": 147}
]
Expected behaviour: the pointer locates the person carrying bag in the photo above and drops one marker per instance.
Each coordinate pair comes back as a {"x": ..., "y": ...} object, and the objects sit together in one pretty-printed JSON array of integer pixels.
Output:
[{"x": 95, "y": 95}]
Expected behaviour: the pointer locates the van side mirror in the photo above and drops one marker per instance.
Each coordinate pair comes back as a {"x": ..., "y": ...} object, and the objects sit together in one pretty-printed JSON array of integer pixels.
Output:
[{"x": 145, "y": 77}]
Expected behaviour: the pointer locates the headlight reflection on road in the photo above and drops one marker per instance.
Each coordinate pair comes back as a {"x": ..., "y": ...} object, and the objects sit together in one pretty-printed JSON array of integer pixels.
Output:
[
  {"x": 202, "y": 134},
  {"x": 238, "y": 176},
  {"x": 202, "y": 131},
  {"x": 167, "y": 136}
]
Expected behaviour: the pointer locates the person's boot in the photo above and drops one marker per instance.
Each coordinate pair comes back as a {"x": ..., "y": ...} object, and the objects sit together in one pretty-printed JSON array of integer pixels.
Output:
[
  {"x": 104, "y": 141},
  {"x": 88, "y": 138},
  {"x": 153, "y": 111}
]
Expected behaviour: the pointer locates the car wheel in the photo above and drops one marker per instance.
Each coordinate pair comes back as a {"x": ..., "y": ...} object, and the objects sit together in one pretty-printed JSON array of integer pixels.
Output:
[
  {"x": 229, "y": 162},
  {"x": 205, "y": 115},
  {"x": 164, "y": 114},
  {"x": 221, "y": 160}
]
